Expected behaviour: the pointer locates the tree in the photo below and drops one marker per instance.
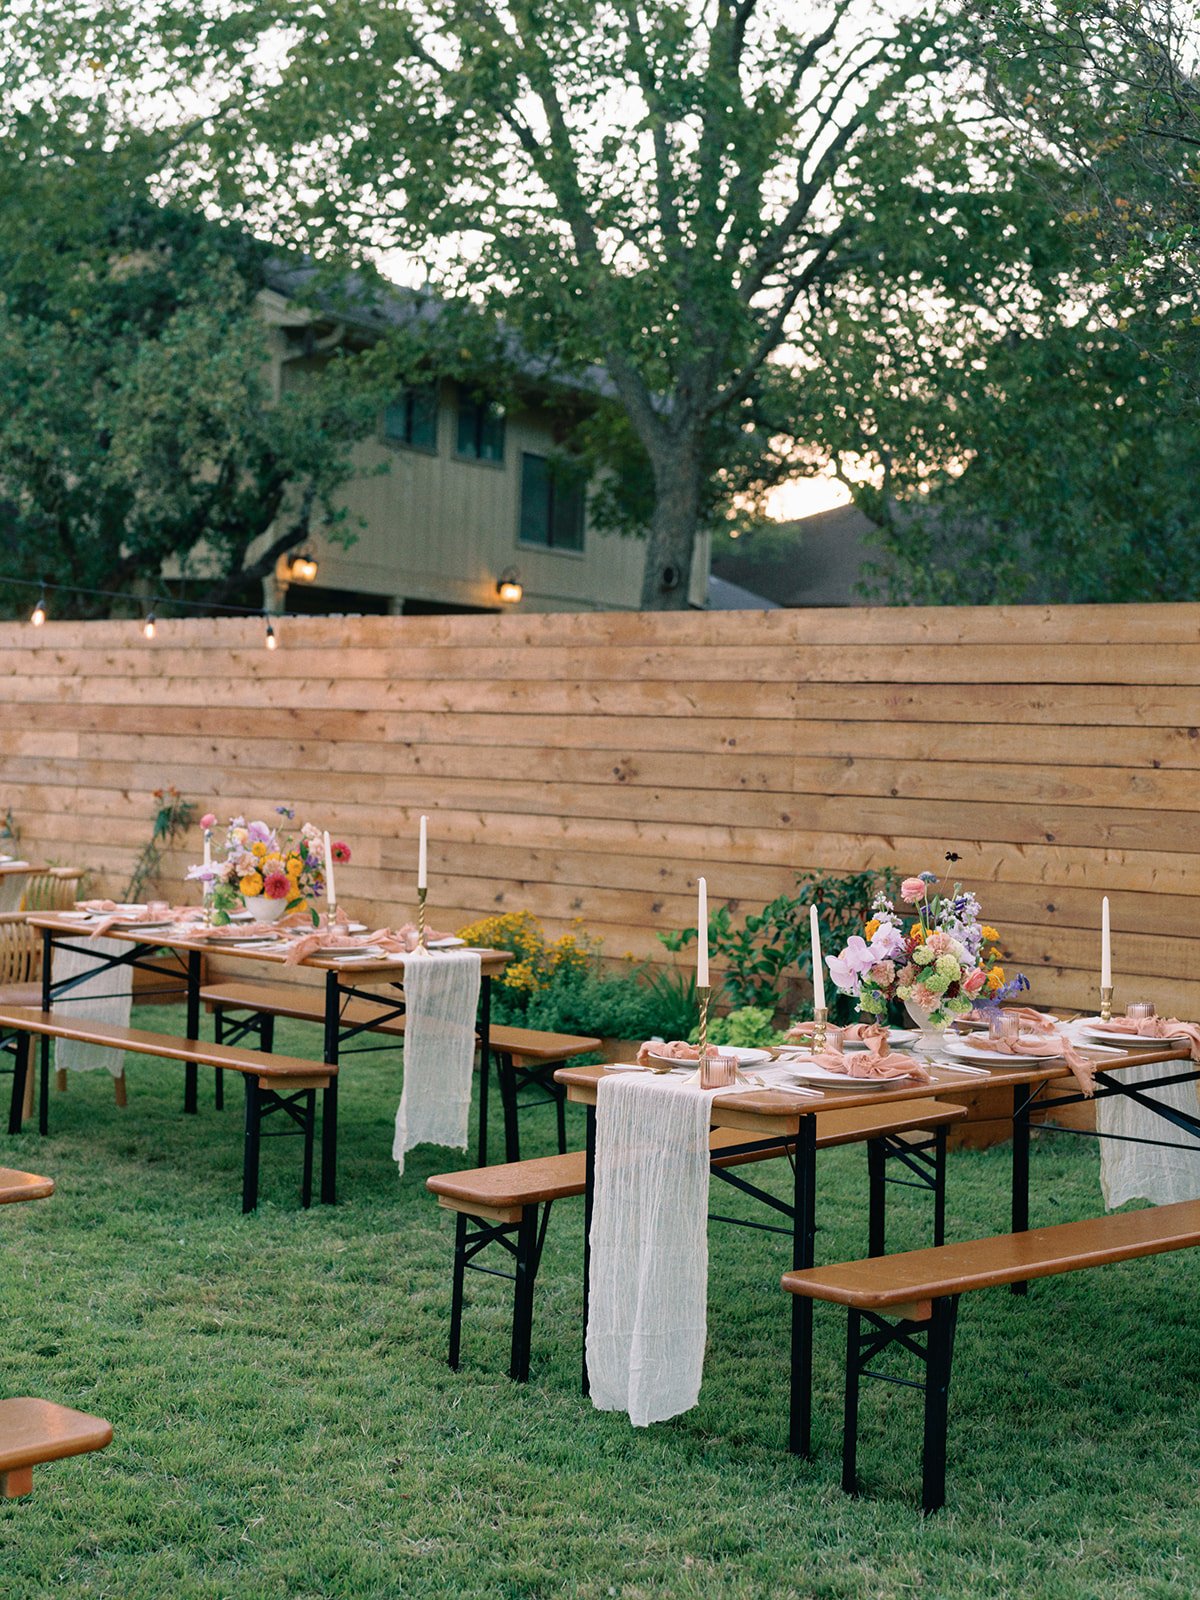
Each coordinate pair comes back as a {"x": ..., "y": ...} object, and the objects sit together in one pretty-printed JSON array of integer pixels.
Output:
[
  {"x": 137, "y": 426},
  {"x": 670, "y": 188}
]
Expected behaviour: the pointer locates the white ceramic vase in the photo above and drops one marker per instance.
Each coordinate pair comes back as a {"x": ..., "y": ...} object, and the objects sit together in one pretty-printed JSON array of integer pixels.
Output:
[
  {"x": 263, "y": 908},
  {"x": 932, "y": 1031}
]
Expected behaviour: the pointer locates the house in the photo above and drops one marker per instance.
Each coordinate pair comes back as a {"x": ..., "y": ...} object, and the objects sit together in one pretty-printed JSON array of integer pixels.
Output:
[
  {"x": 823, "y": 568},
  {"x": 457, "y": 500}
]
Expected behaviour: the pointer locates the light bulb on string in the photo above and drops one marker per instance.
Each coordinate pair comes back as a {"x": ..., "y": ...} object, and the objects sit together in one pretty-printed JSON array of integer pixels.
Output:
[
  {"x": 149, "y": 627},
  {"x": 271, "y": 642},
  {"x": 38, "y": 615}
]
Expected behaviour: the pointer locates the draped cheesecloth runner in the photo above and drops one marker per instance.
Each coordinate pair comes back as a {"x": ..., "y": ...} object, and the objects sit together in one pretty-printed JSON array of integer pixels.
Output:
[
  {"x": 441, "y": 994},
  {"x": 1166, "y": 1171},
  {"x": 647, "y": 1318},
  {"x": 104, "y": 998}
]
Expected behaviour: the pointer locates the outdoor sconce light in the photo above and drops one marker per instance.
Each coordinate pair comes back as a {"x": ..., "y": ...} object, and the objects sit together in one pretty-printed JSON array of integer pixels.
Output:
[
  {"x": 303, "y": 569},
  {"x": 510, "y": 588}
]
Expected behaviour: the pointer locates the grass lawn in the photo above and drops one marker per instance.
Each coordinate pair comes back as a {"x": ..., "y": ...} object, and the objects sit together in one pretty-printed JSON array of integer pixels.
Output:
[{"x": 285, "y": 1423}]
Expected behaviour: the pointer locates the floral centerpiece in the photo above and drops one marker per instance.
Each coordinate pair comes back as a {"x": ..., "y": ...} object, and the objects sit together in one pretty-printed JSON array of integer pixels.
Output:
[
  {"x": 269, "y": 869},
  {"x": 941, "y": 964}
]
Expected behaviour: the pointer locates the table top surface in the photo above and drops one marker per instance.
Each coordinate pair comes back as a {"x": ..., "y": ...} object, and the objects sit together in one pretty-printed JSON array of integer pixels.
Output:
[
  {"x": 774, "y": 1109},
  {"x": 7, "y": 867},
  {"x": 391, "y": 966}
]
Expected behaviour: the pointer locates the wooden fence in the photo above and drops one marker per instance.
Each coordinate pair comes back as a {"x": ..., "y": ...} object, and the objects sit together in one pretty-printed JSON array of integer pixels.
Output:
[{"x": 589, "y": 766}]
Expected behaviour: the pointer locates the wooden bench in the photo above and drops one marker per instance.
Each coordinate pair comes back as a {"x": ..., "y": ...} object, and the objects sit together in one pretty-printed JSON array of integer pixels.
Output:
[
  {"x": 273, "y": 1083},
  {"x": 527, "y": 1057},
  {"x": 899, "y": 1296},
  {"x": 33, "y": 1432},
  {"x": 505, "y": 1201},
  {"x": 16, "y": 1186}
]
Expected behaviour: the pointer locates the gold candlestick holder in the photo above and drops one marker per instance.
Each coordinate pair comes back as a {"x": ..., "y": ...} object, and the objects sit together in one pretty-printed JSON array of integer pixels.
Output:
[
  {"x": 820, "y": 1026},
  {"x": 421, "y": 893},
  {"x": 703, "y": 995},
  {"x": 1106, "y": 994},
  {"x": 331, "y": 915}
]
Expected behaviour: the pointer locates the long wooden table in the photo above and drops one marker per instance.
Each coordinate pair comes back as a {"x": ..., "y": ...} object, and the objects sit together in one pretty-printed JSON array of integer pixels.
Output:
[
  {"x": 773, "y": 1117},
  {"x": 386, "y": 974}
]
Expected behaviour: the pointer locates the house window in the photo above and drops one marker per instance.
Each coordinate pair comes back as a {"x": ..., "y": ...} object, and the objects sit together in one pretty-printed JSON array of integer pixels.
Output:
[
  {"x": 412, "y": 418},
  {"x": 552, "y": 501},
  {"x": 480, "y": 429}
]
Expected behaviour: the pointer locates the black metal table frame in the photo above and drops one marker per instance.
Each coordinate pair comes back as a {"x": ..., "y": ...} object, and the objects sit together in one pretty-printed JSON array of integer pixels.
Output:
[{"x": 336, "y": 1034}]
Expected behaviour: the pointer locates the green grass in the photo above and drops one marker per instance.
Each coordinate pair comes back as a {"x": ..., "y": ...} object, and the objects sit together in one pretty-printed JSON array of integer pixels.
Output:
[{"x": 285, "y": 1424}]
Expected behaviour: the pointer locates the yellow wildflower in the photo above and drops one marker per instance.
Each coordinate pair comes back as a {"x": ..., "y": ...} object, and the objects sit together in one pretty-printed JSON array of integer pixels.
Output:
[
  {"x": 251, "y": 885},
  {"x": 871, "y": 929},
  {"x": 295, "y": 866},
  {"x": 990, "y": 934},
  {"x": 995, "y": 979},
  {"x": 258, "y": 849}
]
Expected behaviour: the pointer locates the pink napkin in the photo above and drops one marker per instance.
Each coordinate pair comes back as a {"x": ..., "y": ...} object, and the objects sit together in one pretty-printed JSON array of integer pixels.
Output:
[
  {"x": 854, "y": 1033},
  {"x": 877, "y": 1061},
  {"x": 1150, "y": 1028},
  {"x": 1040, "y": 1048},
  {"x": 676, "y": 1050},
  {"x": 403, "y": 941},
  {"x": 1031, "y": 1021},
  {"x": 110, "y": 913}
]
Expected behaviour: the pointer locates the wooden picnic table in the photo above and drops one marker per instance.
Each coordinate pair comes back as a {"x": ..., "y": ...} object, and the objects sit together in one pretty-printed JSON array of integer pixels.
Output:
[
  {"x": 770, "y": 1116},
  {"x": 378, "y": 981}
]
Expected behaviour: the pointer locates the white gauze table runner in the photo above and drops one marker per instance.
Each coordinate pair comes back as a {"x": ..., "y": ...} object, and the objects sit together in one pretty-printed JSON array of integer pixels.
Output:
[
  {"x": 1148, "y": 1171},
  {"x": 104, "y": 998},
  {"x": 441, "y": 995},
  {"x": 648, "y": 1305}
]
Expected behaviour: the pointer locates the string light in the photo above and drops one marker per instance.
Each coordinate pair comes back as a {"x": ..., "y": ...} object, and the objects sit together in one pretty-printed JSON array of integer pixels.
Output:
[
  {"x": 38, "y": 615},
  {"x": 271, "y": 641},
  {"x": 39, "y": 610},
  {"x": 149, "y": 627}
]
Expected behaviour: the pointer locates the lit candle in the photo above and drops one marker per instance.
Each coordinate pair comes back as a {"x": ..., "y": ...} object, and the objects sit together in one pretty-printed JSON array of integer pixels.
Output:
[
  {"x": 702, "y": 933},
  {"x": 818, "y": 967},
  {"x": 1105, "y": 947},
  {"x": 329, "y": 892},
  {"x": 422, "y": 858}
]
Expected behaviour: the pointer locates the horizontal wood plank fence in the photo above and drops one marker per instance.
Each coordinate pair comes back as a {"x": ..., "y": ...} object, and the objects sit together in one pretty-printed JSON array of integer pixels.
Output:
[{"x": 589, "y": 766}]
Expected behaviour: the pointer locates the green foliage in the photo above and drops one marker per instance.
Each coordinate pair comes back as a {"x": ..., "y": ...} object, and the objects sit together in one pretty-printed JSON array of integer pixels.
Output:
[
  {"x": 172, "y": 820},
  {"x": 10, "y": 829},
  {"x": 758, "y": 952},
  {"x": 752, "y": 1027}
]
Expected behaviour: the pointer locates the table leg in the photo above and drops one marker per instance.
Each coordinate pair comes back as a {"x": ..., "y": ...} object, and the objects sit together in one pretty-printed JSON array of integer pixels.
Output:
[
  {"x": 333, "y": 995},
  {"x": 1022, "y": 1102},
  {"x": 589, "y": 1195},
  {"x": 190, "y": 1070},
  {"x": 803, "y": 1250},
  {"x": 485, "y": 1062},
  {"x": 44, "y": 1043}
]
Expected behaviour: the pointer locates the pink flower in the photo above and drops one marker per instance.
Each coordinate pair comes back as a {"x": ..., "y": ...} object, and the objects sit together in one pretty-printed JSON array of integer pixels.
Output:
[
  {"x": 339, "y": 851},
  {"x": 277, "y": 886},
  {"x": 208, "y": 820},
  {"x": 883, "y": 973},
  {"x": 912, "y": 890},
  {"x": 974, "y": 981},
  {"x": 940, "y": 943},
  {"x": 925, "y": 998}
]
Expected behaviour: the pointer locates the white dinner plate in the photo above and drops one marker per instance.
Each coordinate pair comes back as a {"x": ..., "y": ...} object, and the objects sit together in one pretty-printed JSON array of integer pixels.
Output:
[
  {"x": 972, "y": 1053},
  {"x": 76, "y": 916},
  {"x": 1088, "y": 1026},
  {"x": 744, "y": 1055},
  {"x": 340, "y": 952},
  {"x": 825, "y": 1079},
  {"x": 449, "y": 943},
  {"x": 242, "y": 936}
]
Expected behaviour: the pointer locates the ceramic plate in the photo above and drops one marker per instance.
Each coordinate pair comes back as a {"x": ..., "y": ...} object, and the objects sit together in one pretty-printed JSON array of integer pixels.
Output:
[
  {"x": 1088, "y": 1026},
  {"x": 972, "y": 1053},
  {"x": 746, "y": 1057},
  {"x": 241, "y": 936},
  {"x": 824, "y": 1079},
  {"x": 359, "y": 952},
  {"x": 450, "y": 943}
]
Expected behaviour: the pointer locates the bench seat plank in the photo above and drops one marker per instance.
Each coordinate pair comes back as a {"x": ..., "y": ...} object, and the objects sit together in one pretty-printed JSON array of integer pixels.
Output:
[
  {"x": 61, "y": 1025},
  {"x": 35, "y": 1431},
  {"x": 917, "y": 1276},
  {"x": 15, "y": 1186}
]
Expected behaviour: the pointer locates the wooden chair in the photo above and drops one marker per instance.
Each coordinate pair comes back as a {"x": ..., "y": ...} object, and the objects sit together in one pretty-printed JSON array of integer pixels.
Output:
[
  {"x": 55, "y": 889},
  {"x": 35, "y": 1431}
]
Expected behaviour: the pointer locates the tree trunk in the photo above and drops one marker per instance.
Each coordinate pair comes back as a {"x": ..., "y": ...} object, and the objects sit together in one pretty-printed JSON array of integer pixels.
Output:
[{"x": 671, "y": 541}]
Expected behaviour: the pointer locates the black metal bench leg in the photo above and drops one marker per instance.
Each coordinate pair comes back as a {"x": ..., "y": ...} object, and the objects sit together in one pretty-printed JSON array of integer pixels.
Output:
[
  {"x": 525, "y": 1278},
  {"x": 310, "y": 1129},
  {"x": 44, "y": 1090},
  {"x": 877, "y": 1198},
  {"x": 219, "y": 1087},
  {"x": 939, "y": 1353},
  {"x": 456, "y": 1288},
  {"x": 252, "y": 1145},
  {"x": 850, "y": 1424},
  {"x": 508, "y": 1099},
  {"x": 16, "y": 1109},
  {"x": 939, "y": 1185},
  {"x": 560, "y": 1107},
  {"x": 329, "y": 1144}
]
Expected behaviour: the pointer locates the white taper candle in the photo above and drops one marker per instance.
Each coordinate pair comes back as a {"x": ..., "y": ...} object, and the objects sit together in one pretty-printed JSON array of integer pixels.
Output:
[
  {"x": 702, "y": 935},
  {"x": 330, "y": 895},
  {"x": 818, "y": 966},
  {"x": 1105, "y": 947},
  {"x": 422, "y": 858}
]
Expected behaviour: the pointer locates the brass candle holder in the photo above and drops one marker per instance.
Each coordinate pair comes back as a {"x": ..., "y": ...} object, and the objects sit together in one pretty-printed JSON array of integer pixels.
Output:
[
  {"x": 820, "y": 1025},
  {"x": 703, "y": 995},
  {"x": 331, "y": 915},
  {"x": 1106, "y": 994},
  {"x": 421, "y": 893}
]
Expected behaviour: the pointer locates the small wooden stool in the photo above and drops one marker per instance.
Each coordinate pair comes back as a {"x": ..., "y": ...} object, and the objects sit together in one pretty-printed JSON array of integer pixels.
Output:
[{"x": 35, "y": 1431}]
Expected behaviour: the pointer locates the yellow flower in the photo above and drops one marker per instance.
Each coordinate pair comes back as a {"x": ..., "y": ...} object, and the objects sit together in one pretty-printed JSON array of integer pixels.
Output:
[
  {"x": 251, "y": 885},
  {"x": 990, "y": 934},
  {"x": 871, "y": 929},
  {"x": 258, "y": 849},
  {"x": 995, "y": 979},
  {"x": 294, "y": 867}
]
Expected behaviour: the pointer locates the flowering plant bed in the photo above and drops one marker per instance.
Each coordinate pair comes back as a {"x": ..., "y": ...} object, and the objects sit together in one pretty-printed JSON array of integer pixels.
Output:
[{"x": 942, "y": 963}]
